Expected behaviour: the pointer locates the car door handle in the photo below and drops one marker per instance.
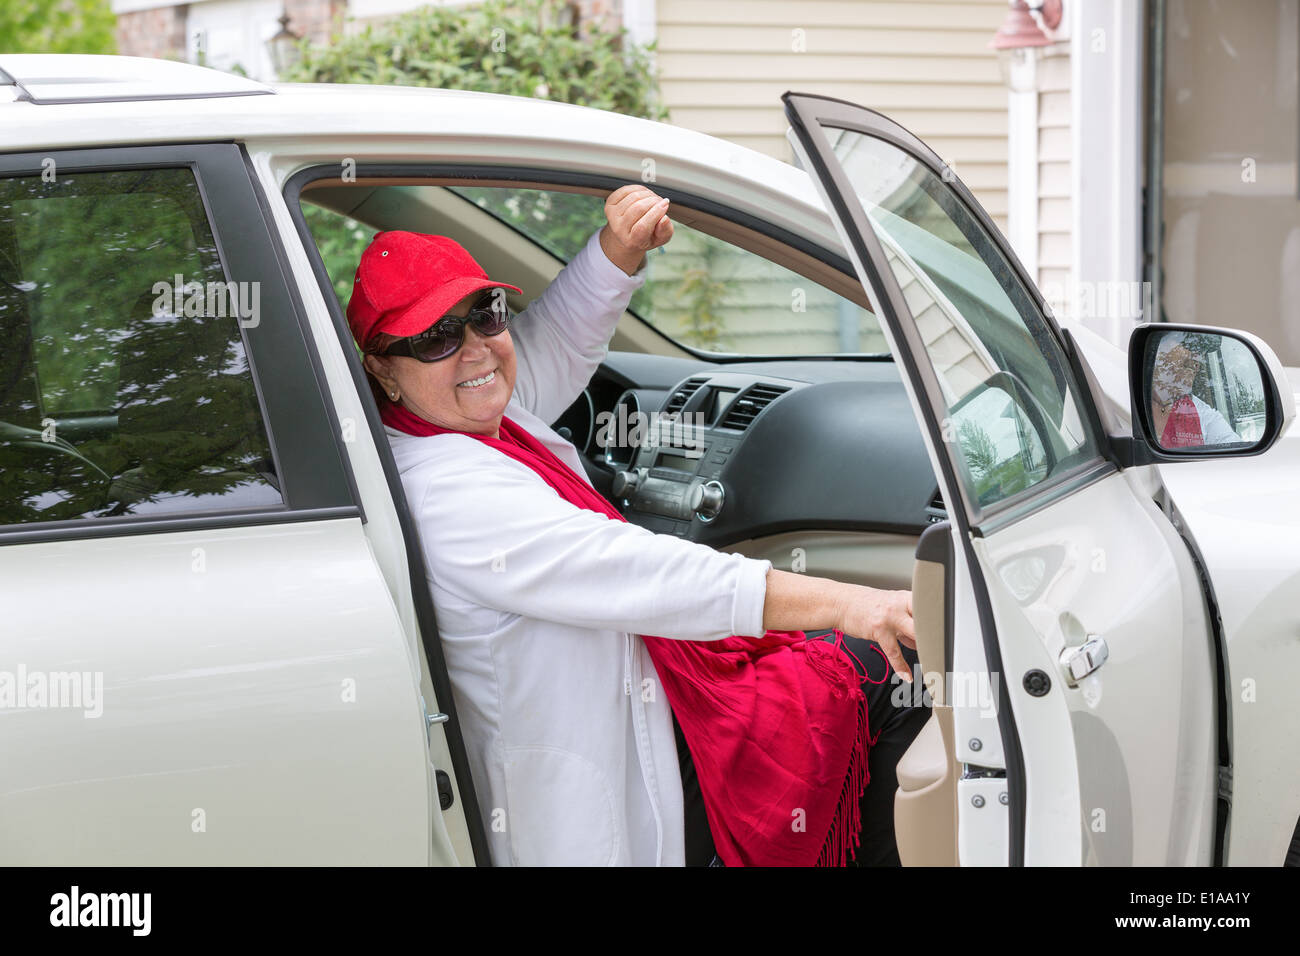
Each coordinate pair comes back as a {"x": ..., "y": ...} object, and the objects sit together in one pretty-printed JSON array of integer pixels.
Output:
[{"x": 1079, "y": 662}]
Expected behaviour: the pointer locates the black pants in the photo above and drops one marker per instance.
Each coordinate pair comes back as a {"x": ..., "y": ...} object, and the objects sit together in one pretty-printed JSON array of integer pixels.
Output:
[{"x": 897, "y": 721}]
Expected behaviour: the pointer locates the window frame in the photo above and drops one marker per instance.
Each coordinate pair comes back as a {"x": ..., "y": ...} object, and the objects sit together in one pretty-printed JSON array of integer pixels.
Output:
[
  {"x": 509, "y": 176},
  {"x": 303, "y": 435}
]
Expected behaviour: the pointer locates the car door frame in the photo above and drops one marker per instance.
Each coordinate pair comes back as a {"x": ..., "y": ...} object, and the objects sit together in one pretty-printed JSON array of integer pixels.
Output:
[
  {"x": 523, "y": 173},
  {"x": 971, "y": 520}
]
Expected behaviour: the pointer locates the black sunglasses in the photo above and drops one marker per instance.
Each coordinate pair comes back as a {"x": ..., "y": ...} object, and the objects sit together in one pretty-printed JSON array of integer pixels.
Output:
[{"x": 447, "y": 335}]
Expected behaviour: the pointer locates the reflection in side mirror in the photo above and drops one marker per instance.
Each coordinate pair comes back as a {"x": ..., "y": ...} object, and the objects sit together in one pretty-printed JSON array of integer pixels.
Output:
[
  {"x": 1202, "y": 391},
  {"x": 999, "y": 447},
  {"x": 1005, "y": 438}
]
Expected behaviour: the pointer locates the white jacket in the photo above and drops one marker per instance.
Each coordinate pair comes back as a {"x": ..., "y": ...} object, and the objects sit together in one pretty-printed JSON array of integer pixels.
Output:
[
  {"x": 1215, "y": 429},
  {"x": 569, "y": 732}
]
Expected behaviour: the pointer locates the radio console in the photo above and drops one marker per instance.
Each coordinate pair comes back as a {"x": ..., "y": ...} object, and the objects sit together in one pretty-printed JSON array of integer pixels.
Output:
[{"x": 675, "y": 476}]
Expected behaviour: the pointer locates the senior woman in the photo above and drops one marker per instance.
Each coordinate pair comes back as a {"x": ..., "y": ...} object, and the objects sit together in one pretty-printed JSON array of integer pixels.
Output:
[{"x": 577, "y": 642}]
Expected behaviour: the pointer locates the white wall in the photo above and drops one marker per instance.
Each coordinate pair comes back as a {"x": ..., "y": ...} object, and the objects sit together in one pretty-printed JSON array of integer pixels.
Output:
[
  {"x": 1106, "y": 85},
  {"x": 1076, "y": 154},
  {"x": 233, "y": 32}
]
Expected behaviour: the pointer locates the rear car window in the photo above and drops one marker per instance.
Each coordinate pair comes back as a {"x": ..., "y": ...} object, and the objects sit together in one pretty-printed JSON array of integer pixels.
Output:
[{"x": 124, "y": 385}]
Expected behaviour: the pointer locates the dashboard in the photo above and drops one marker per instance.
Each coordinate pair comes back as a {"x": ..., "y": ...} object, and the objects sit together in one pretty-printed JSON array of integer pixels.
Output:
[{"x": 723, "y": 452}]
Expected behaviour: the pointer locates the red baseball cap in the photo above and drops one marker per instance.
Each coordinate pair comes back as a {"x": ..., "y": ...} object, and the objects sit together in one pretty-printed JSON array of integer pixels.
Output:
[{"x": 406, "y": 281}]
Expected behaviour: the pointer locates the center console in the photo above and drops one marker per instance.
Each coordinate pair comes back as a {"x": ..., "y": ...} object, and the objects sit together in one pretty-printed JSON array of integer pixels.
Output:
[{"x": 673, "y": 474}]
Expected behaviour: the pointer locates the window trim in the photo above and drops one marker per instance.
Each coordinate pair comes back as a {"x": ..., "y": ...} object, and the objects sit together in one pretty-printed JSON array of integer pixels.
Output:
[{"x": 303, "y": 439}]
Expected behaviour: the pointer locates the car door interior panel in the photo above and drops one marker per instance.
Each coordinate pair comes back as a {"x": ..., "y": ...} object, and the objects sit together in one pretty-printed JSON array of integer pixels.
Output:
[{"x": 925, "y": 806}]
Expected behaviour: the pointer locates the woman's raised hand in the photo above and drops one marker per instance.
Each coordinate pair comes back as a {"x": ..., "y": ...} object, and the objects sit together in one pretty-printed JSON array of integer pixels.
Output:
[{"x": 637, "y": 222}]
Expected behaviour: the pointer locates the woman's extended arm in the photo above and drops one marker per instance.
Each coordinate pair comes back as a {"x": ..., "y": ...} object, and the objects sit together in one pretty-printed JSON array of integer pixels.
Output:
[
  {"x": 495, "y": 535},
  {"x": 498, "y": 537},
  {"x": 563, "y": 336},
  {"x": 801, "y": 602}
]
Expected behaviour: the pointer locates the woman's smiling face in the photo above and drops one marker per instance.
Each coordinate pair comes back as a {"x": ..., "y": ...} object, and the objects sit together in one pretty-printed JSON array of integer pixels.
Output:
[{"x": 467, "y": 391}]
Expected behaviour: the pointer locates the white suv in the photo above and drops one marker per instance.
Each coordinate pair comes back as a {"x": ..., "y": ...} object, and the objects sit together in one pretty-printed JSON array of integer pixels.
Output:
[{"x": 219, "y": 644}]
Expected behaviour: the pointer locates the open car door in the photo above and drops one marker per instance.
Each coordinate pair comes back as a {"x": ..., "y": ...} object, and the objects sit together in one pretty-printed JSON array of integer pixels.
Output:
[{"x": 1075, "y": 718}]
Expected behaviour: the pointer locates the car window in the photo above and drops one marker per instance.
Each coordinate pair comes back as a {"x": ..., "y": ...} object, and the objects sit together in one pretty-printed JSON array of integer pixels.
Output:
[
  {"x": 124, "y": 384},
  {"x": 1013, "y": 408},
  {"x": 702, "y": 292}
]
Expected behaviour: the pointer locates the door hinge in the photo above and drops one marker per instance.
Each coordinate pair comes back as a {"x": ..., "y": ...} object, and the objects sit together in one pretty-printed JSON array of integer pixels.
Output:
[{"x": 971, "y": 771}]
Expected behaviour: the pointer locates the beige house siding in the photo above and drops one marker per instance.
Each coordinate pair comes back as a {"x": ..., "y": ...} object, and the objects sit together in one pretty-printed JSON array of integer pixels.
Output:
[
  {"x": 725, "y": 63},
  {"x": 1055, "y": 209}
]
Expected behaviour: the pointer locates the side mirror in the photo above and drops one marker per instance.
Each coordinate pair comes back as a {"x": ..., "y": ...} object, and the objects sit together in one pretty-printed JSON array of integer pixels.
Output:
[{"x": 1202, "y": 392}]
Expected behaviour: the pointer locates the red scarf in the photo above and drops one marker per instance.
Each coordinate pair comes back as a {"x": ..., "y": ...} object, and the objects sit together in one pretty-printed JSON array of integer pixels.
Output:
[
  {"x": 776, "y": 725},
  {"x": 1183, "y": 429}
]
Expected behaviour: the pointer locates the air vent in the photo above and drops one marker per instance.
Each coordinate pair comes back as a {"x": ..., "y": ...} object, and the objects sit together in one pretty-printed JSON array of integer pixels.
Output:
[
  {"x": 678, "y": 399},
  {"x": 936, "y": 510},
  {"x": 746, "y": 408}
]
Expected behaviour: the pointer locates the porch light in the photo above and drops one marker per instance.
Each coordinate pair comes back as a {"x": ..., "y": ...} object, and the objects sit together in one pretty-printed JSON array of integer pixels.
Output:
[
  {"x": 1019, "y": 41},
  {"x": 283, "y": 46}
]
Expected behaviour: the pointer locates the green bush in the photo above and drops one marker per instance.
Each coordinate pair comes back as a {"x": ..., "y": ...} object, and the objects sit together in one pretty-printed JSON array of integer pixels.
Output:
[
  {"x": 522, "y": 49},
  {"x": 57, "y": 26}
]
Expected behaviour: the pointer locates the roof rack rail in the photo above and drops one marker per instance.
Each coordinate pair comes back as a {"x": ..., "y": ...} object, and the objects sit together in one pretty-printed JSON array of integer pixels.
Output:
[{"x": 52, "y": 78}]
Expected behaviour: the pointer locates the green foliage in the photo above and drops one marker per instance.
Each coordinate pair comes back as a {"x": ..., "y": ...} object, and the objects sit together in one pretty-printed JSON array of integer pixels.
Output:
[
  {"x": 702, "y": 293},
  {"x": 522, "y": 49},
  {"x": 341, "y": 241},
  {"x": 1246, "y": 399},
  {"x": 561, "y": 223},
  {"x": 57, "y": 26},
  {"x": 981, "y": 454}
]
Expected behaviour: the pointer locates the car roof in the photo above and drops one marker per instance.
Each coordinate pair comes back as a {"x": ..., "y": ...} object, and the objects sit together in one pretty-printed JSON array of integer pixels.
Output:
[{"x": 65, "y": 101}]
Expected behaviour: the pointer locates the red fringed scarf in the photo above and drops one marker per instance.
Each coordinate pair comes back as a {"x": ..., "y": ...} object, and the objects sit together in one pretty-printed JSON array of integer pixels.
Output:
[
  {"x": 777, "y": 725},
  {"x": 1183, "y": 429}
]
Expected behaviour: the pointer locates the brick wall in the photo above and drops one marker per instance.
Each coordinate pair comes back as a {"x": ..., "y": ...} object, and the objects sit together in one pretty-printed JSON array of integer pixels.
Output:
[
  {"x": 315, "y": 19},
  {"x": 157, "y": 33},
  {"x": 160, "y": 32},
  {"x": 604, "y": 15}
]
